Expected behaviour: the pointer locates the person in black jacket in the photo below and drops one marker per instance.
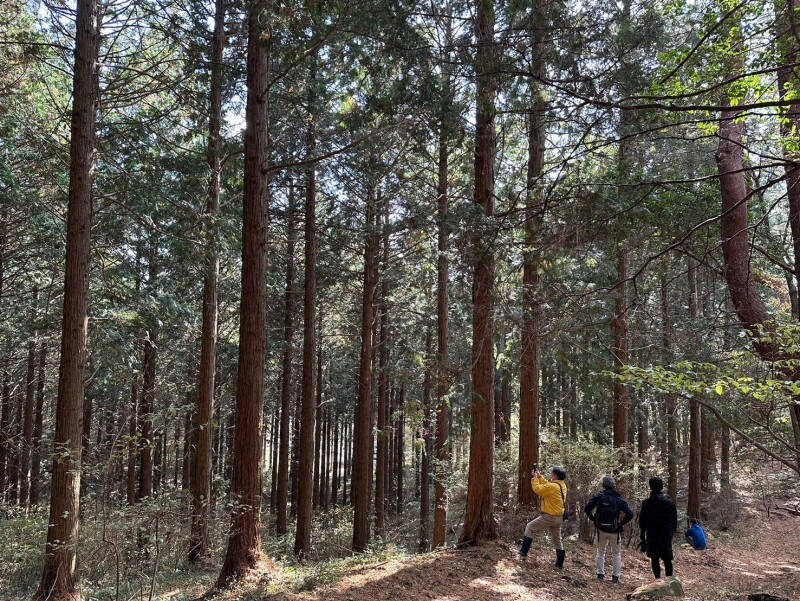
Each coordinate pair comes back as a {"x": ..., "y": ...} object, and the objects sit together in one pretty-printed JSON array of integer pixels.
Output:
[
  {"x": 658, "y": 521},
  {"x": 604, "y": 510}
]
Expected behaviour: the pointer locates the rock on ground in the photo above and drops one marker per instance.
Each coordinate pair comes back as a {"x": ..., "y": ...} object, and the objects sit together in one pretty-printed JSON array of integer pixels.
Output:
[{"x": 669, "y": 587}]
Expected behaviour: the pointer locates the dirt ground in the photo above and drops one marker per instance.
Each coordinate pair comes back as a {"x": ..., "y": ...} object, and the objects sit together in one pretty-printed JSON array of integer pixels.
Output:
[{"x": 764, "y": 556}]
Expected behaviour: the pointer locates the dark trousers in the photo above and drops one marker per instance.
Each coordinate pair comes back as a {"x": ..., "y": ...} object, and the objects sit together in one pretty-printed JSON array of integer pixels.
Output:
[{"x": 657, "y": 568}]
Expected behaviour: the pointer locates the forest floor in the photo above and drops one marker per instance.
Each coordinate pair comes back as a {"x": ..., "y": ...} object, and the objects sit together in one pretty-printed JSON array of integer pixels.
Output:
[
  {"x": 763, "y": 555},
  {"x": 759, "y": 554}
]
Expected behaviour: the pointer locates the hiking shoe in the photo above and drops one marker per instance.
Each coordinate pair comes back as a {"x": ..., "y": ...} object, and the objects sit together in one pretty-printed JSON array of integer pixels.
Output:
[
  {"x": 601, "y": 576},
  {"x": 615, "y": 579}
]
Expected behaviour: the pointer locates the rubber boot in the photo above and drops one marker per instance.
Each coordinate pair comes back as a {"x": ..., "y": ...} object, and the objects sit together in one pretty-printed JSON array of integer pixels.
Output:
[
  {"x": 525, "y": 547},
  {"x": 560, "y": 554}
]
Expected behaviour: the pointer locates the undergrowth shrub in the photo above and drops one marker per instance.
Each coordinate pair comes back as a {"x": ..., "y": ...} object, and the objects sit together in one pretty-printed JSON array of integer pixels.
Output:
[
  {"x": 21, "y": 546},
  {"x": 586, "y": 462}
]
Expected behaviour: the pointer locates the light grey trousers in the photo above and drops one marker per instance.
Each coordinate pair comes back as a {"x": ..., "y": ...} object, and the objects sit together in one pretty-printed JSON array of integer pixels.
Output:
[
  {"x": 551, "y": 523},
  {"x": 604, "y": 540}
]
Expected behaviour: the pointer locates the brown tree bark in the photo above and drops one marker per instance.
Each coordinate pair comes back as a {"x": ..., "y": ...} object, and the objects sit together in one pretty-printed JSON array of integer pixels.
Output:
[
  {"x": 5, "y": 432},
  {"x": 337, "y": 440},
  {"x": 619, "y": 326},
  {"x": 147, "y": 405},
  {"x": 724, "y": 459},
  {"x": 294, "y": 468},
  {"x": 36, "y": 465},
  {"x": 383, "y": 387},
  {"x": 619, "y": 323},
  {"x": 244, "y": 541},
  {"x": 177, "y": 448},
  {"x": 391, "y": 452},
  {"x": 424, "y": 478},
  {"x": 346, "y": 467},
  {"x": 199, "y": 542},
  {"x": 325, "y": 487},
  {"x": 528, "y": 455},
  {"x": 59, "y": 573},
  {"x": 400, "y": 454},
  {"x": 133, "y": 443},
  {"x": 442, "y": 325},
  {"x": 736, "y": 251},
  {"x": 158, "y": 456},
  {"x": 707, "y": 459},
  {"x": 308, "y": 409},
  {"x": 15, "y": 435},
  {"x": 317, "y": 458},
  {"x": 669, "y": 404},
  {"x": 787, "y": 26},
  {"x": 362, "y": 450},
  {"x": 28, "y": 419},
  {"x": 282, "y": 487},
  {"x": 693, "y": 497},
  {"x": 643, "y": 435},
  {"x": 274, "y": 445},
  {"x": 441, "y": 500},
  {"x": 479, "y": 523},
  {"x": 186, "y": 455}
]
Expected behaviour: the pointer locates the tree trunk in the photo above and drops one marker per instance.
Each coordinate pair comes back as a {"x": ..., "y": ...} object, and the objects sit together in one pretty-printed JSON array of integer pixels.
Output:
[
  {"x": 708, "y": 458},
  {"x": 643, "y": 436},
  {"x": 188, "y": 435},
  {"x": 337, "y": 437},
  {"x": 528, "y": 456},
  {"x": 199, "y": 543},
  {"x": 693, "y": 498},
  {"x": 400, "y": 449},
  {"x": 391, "y": 452},
  {"x": 324, "y": 486},
  {"x": 383, "y": 387},
  {"x": 736, "y": 251},
  {"x": 36, "y": 466},
  {"x": 13, "y": 461},
  {"x": 424, "y": 480},
  {"x": 619, "y": 323},
  {"x": 789, "y": 46},
  {"x": 282, "y": 487},
  {"x": 362, "y": 451},
  {"x": 133, "y": 443},
  {"x": 294, "y": 470},
  {"x": 177, "y": 460},
  {"x": 670, "y": 433},
  {"x": 308, "y": 409},
  {"x": 244, "y": 541},
  {"x": 147, "y": 406},
  {"x": 479, "y": 523},
  {"x": 59, "y": 572},
  {"x": 789, "y": 52},
  {"x": 158, "y": 455},
  {"x": 442, "y": 277},
  {"x": 28, "y": 419},
  {"x": 619, "y": 326},
  {"x": 5, "y": 434},
  {"x": 348, "y": 453},
  {"x": 724, "y": 459},
  {"x": 274, "y": 445},
  {"x": 317, "y": 443}
]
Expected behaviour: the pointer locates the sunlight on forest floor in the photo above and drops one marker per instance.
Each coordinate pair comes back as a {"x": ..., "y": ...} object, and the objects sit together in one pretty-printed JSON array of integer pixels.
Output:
[{"x": 761, "y": 555}]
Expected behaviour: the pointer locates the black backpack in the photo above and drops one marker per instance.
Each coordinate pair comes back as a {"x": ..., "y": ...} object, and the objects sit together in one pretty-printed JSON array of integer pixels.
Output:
[{"x": 606, "y": 515}]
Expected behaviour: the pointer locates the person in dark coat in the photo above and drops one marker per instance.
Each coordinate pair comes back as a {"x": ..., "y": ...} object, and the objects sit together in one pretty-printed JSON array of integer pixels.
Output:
[
  {"x": 608, "y": 526},
  {"x": 658, "y": 521}
]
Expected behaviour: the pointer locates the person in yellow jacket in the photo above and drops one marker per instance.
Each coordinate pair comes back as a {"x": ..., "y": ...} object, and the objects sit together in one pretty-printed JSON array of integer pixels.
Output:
[{"x": 554, "y": 495}]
